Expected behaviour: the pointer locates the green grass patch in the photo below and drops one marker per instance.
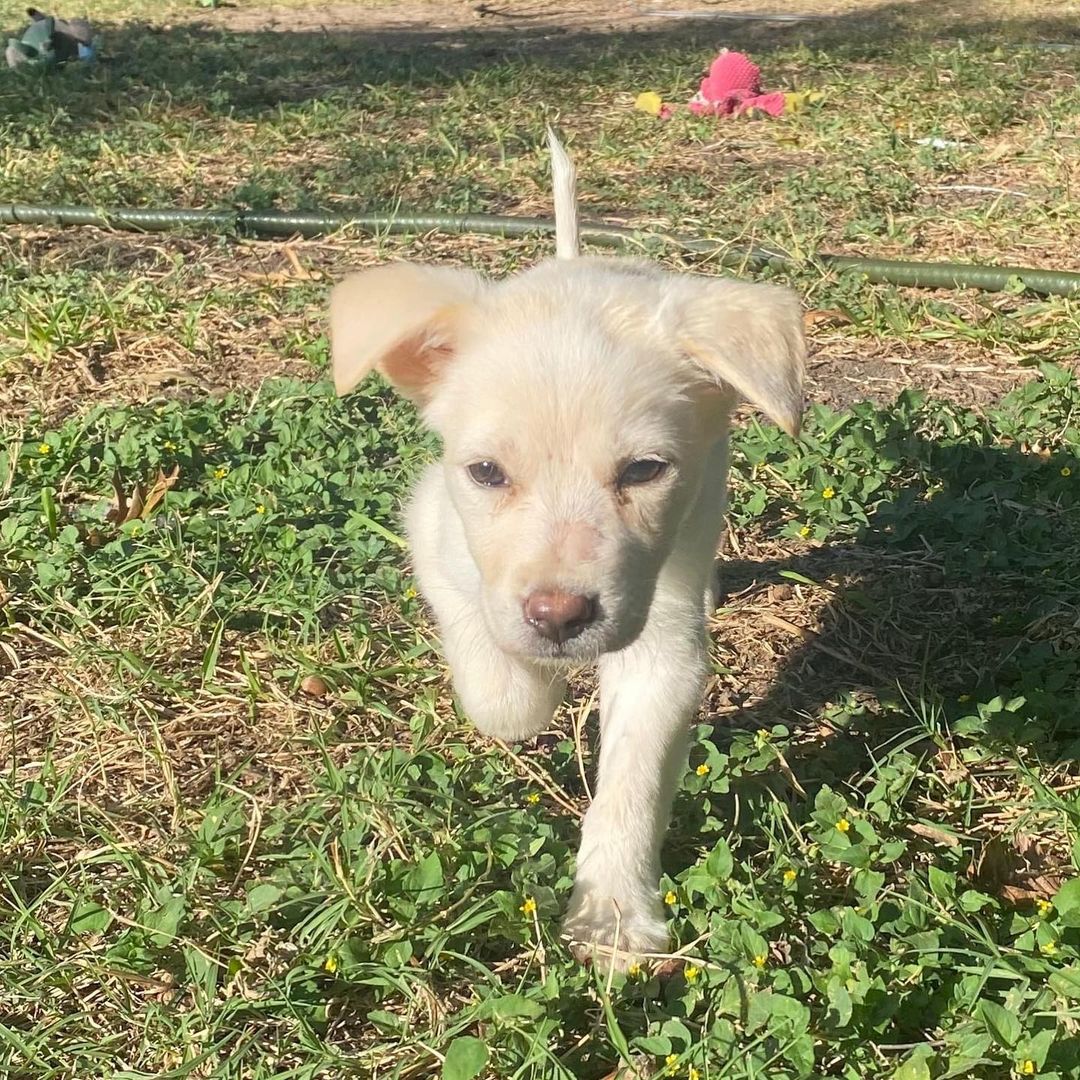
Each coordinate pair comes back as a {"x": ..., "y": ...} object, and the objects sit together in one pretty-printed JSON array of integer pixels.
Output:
[
  {"x": 201, "y": 115},
  {"x": 244, "y": 833},
  {"x": 881, "y": 885}
]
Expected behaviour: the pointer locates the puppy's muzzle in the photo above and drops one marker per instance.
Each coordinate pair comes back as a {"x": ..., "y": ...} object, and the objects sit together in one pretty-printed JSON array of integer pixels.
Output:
[{"x": 559, "y": 616}]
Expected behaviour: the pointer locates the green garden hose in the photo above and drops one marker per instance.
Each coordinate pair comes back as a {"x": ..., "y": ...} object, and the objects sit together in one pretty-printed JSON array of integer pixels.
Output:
[{"x": 314, "y": 223}]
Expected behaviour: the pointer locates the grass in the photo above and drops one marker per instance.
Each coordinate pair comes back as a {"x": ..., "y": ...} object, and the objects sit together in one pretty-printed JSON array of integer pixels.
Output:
[{"x": 244, "y": 832}]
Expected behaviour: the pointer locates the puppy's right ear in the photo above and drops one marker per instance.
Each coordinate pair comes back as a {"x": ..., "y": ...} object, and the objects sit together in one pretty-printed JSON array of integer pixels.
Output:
[{"x": 402, "y": 320}]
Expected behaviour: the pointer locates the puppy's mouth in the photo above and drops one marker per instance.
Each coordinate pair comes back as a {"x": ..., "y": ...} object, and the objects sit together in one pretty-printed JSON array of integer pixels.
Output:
[
  {"x": 580, "y": 650},
  {"x": 587, "y": 647}
]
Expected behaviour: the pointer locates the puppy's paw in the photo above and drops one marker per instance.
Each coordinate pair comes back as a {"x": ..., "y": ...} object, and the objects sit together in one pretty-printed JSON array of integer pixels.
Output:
[
  {"x": 515, "y": 708},
  {"x": 509, "y": 726},
  {"x": 633, "y": 935}
]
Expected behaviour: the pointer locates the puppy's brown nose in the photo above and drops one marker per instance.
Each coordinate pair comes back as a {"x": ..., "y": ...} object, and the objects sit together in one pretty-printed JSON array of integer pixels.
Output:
[{"x": 558, "y": 615}]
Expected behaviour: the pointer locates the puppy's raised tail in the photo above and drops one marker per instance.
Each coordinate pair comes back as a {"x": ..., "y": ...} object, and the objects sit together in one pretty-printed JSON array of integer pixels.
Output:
[{"x": 564, "y": 181}]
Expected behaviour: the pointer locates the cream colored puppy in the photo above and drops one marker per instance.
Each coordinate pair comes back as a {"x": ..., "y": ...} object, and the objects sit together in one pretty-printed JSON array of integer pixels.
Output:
[{"x": 575, "y": 515}]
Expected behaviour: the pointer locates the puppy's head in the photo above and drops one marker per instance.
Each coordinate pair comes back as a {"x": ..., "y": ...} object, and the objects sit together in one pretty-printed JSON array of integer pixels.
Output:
[{"x": 578, "y": 404}]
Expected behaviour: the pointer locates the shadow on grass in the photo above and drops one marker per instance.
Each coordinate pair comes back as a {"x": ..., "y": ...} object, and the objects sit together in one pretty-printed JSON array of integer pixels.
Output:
[
  {"x": 966, "y": 586},
  {"x": 958, "y": 598},
  {"x": 251, "y": 71}
]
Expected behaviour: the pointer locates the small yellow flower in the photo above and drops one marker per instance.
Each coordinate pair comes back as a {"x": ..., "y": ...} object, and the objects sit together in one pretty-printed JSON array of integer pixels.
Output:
[
  {"x": 221, "y": 473},
  {"x": 693, "y": 1074},
  {"x": 44, "y": 448},
  {"x": 672, "y": 1063},
  {"x": 691, "y": 973},
  {"x": 410, "y": 593},
  {"x": 804, "y": 532},
  {"x": 762, "y": 736},
  {"x": 1025, "y": 1067},
  {"x": 670, "y": 898},
  {"x": 829, "y": 493},
  {"x": 634, "y": 970},
  {"x": 649, "y": 101},
  {"x": 1049, "y": 949},
  {"x": 1066, "y": 471},
  {"x": 964, "y": 697},
  {"x": 843, "y": 825},
  {"x": 330, "y": 964},
  {"x": 703, "y": 770},
  {"x": 529, "y": 907},
  {"x": 260, "y": 509},
  {"x": 790, "y": 876},
  {"x": 532, "y": 798},
  {"x": 759, "y": 960},
  {"x": 169, "y": 444},
  {"x": 1045, "y": 907}
]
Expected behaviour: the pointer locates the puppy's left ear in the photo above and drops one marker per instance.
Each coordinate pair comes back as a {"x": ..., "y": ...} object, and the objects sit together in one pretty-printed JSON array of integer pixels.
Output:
[{"x": 748, "y": 336}]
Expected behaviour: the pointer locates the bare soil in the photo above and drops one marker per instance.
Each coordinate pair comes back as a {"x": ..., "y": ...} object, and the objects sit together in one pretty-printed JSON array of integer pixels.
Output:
[{"x": 562, "y": 16}]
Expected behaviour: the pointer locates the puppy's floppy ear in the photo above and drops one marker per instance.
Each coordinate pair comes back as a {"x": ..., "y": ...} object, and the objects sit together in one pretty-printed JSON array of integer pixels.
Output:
[
  {"x": 400, "y": 319},
  {"x": 747, "y": 335}
]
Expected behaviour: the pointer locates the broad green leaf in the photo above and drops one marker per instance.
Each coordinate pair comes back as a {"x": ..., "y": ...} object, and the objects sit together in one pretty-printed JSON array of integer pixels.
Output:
[
  {"x": 465, "y": 1059},
  {"x": 829, "y": 806},
  {"x": 398, "y": 953},
  {"x": 89, "y": 917},
  {"x": 855, "y": 927},
  {"x": 263, "y": 897},
  {"x": 966, "y": 1051},
  {"x": 165, "y": 920},
  {"x": 1066, "y": 982},
  {"x": 426, "y": 877},
  {"x": 839, "y": 1002},
  {"x": 753, "y": 943},
  {"x": 915, "y": 1068},
  {"x": 655, "y": 1045},
  {"x": 825, "y": 922},
  {"x": 510, "y": 1006},
  {"x": 800, "y": 1052},
  {"x": 1037, "y": 1047},
  {"x": 1001, "y": 1023},
  {"x": 720, "y": 863},
  {"x": 791, "y": 1014},
  {"x": 1067, "y": 902},
  {"x": 942, "y": 884}
]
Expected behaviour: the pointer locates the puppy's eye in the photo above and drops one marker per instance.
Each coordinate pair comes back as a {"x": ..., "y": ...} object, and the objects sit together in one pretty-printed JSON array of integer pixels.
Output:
[
  {"x": 488, "y": 474},
  {"x": 642, "y": 471}
]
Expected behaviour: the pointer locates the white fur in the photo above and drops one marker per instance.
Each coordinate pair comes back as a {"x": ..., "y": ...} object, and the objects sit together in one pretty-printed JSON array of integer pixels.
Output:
[
  {"x": 564, "y": 185},
  {"x": 562, "y": 375}
]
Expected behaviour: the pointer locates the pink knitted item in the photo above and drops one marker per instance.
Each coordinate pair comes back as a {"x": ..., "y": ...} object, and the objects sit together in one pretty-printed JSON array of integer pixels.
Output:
[{"x": 732, "y": 87}]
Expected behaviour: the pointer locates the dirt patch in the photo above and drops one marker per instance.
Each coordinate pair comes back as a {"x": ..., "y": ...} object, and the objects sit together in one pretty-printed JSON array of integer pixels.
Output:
[
  {"x": 512, "y": 15},
  {"x": 563, "y": 16},
  {"x": 844, "y": 370}
]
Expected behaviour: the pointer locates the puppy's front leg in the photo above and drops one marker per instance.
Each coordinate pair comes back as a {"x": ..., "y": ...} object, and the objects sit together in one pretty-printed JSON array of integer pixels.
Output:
[
  {"x": 648, "y": 694},
  {"x": 505, "y": 696}
]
